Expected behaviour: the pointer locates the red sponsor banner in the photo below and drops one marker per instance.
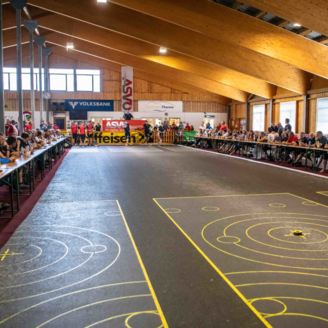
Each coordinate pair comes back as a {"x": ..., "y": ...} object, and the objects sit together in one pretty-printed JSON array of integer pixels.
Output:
[{"x": 112, "y": 125}]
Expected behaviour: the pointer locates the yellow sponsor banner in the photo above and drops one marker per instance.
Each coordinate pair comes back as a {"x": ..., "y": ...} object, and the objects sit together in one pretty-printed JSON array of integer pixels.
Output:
[{"x": 117, "y": 138}]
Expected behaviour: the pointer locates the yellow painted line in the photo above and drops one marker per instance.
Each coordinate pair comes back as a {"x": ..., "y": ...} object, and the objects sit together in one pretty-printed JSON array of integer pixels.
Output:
[
  {"x": 159, "y": 309},
  {"x": 5, "y": 254},
  {"x": 307, "y": 200},
  {"x": 218, "y": 271},
  {"x": 155, "y": 148},
  {"x": 280, "y": 283},
  {"x": 289, "y": 272},
  {"x": 325, "y": 193}
]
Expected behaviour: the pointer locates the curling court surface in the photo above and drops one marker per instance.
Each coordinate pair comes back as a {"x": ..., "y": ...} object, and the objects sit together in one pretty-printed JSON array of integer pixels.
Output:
[{"x": 215, "y": 236}]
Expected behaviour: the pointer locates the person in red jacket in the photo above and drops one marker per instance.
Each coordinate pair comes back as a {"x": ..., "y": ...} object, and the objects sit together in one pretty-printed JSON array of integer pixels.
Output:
[
  {"x": 28, "y": 126},
  {"x": 74, "y": 129},
  {"x": 82, "y": 134},
  {"x": 223, "y": 126},
  {"x": 9, "y": 128},
  {"x": 90, "y": 133},
  {"x": 188, "y": 127},
  {"x": 55, "y": 126}
]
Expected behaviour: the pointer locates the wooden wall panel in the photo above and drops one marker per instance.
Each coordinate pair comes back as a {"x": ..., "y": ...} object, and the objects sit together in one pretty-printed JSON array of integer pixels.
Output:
[
  {"x": 319, "y": 83},
  {"x": 299, "y": 116},
  {"x": 267, "y": 117},
  {"x": 312, "y": 115}
]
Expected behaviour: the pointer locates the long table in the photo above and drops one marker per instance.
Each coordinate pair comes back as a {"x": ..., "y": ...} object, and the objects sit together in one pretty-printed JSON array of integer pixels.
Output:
[
  {"x": 11, "y": 169},
  {"x": 255, "y": 144}
]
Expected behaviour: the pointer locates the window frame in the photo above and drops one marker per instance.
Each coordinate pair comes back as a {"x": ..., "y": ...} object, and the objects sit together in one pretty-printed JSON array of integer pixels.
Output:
[
  {"x": 254, "y": 108},
  {"x": 316, "y": 122},
  {"x": 293, "y": 124},
  {"x": 93, "y": 79}
]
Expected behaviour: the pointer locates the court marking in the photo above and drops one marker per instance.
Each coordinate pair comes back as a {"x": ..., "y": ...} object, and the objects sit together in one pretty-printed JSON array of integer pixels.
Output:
[
  {"x": 235, "y": 287},
  {"x": 159, "y": 309},
  {"x": 87, "y": 149},
  {"x": 254, "y": 161},
  {"x": 218, "y": 270},
  {"x": 325, "y": 193}
]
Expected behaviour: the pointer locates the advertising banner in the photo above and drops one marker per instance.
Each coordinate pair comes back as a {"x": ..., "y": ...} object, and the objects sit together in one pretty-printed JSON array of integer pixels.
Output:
[
  {"x": 160, "y": 106},
  {"x": 117, "y": 138},
  {"x": 127, "y": 89},
  {"x": 112, "y": 125},
  {"x": 90, "y": 105}
]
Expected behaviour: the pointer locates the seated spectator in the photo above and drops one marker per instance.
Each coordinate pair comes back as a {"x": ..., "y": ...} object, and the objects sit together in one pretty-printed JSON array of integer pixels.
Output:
[
  {"x": 321, "y": 142},
  {"x": 9, "y": 128},
  {"x": 298, "y": 154},
  {"x": 192, "y": 128},
  {"x": 270, "y": 135},
  {"x": 188, "y": 127},
  {"x": 28, "y": 126},
  {"x": 280, "y": 129},
  {"x": 55, "y": 126}
]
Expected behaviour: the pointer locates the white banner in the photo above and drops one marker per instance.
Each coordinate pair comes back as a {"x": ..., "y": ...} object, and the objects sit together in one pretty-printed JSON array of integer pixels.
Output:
[
  {"x": 160, "y": 106},
  {"x": 127, "y": 89}
]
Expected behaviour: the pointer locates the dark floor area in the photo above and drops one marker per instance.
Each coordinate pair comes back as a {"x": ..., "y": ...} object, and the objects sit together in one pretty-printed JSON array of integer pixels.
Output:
[{"x": 189, "y": 289}]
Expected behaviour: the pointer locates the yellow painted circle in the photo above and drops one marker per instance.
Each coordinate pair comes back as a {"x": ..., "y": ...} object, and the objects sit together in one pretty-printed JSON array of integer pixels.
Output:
[
  {"x": 277, "y": 205},
  {"x": 228, "y": 239},
  {"x": 172, "y": 210},
  {"x": 295, "y": 242},
  {"x": 270, "y": 299},
  {"x": 131, "y": 316},
  {"x": 210, "y": 209}
]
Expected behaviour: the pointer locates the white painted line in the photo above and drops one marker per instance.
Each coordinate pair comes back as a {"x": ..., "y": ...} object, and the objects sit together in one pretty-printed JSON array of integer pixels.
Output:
[{"x": 253, "y": 161}]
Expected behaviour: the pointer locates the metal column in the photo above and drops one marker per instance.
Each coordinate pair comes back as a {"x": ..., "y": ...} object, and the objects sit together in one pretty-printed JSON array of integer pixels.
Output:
[
  {"x": 304, "y": 112},
  {"x": 31, "y": 26},
  {"x": 2, "y": 96},
  {"x": 39, "y": 40},
  {"x": 46, "y": 53},
  {"x": 19, "y": 5}
]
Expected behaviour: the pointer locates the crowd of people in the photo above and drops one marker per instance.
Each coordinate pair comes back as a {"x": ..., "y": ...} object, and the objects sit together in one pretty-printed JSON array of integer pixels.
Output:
[
  {"x": 285, "y": 145},
  {"x": 13, "y": 146}
]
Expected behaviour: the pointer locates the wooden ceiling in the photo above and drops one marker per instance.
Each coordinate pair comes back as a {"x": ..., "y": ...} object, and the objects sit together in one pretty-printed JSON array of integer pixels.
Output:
[{"x": 212, "y": 49}]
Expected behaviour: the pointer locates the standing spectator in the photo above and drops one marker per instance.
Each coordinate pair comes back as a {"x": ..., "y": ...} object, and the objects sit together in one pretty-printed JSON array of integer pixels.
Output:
[
  {"x": 74, "y": 129},
  {"x": 55, "y": 126},
  {"x": 219, "y": 127},
  {"x": 223, "y": 126},
  {"x": 9, "y": 128},
  {"x": 192, "y": 128},
  {"x": 98, "y": 127},
  {"x": 147, "y": 132},
  {"x": 180, "y": 130},
  {"x": 49, "y": 126},
  {"x": 42, "y": 125},
  {"x": 160, "y": 134},
  {"x": 288, "y": 127},
  {"x": 127, "y": 133},
  {"x": 82, "y": 134},
  {"x": 28, "y": 127},
  {"x": 15, "y": 124},
  {"x": 274, "y": 127},
  {"x": 202, "y": 127},
  {"x": 127, "y": 116},
  {"x": 280, "y": 129},
  {"x": 188, "y": 127}
]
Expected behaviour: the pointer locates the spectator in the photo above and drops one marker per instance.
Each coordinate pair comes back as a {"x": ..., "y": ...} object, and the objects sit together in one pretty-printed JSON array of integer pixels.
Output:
[
  {"x": 28, "y": 126},
  {"x": 208, "y": 126},
  {"x": 42, "y": 125},
  {"x": 160, "y": 134},
  {"x": 202, "y": 126},
  {"x": 192, "y": 128},
  {"x": 180, "y": 130},
  {"x": 55, "y": 126},
  {"x": 9, "y": 128},
  {"x": 321, "y": 143},
  {"x": 147, "y": 132},
  {"x": 188, "y": 127},
  {"x": 128, "y": 116},
  {"x": 90, "y": 133},
  {"x": 127, "y": 133},
  {"x": 223, "y": 126},
  {"x": 270, "y": 135},
  {"x": 274, "y": 127},
  {"x": 288, "y": 127}
]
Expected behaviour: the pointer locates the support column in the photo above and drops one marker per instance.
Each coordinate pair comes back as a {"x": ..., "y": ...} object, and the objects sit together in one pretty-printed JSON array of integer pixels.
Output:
[
  {"x": 31, "y": 26},
  {"x": 246, "y": 117},
  {"x": 304, "y": 113},
  {"x": 19, "y": 5},
  {"x": 2, "y": 95},
  {"x": 46, "y": 53},
  {"x": 271, "y": 105},
  {"x": 39, "y": 40}
]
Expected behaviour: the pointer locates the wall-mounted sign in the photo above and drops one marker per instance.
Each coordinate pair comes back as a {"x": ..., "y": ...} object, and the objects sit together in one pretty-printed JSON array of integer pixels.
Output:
[
  {"x": 127, "y": 89},
  {"x": 160, "y": 106},
  {"x": 113, "y": 125},
  {"x": 90, "y": 105}
]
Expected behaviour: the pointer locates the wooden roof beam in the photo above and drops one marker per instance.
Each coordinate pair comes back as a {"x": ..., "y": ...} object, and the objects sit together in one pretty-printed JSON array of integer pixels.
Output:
[
  {"x": 283, "y": 23},
  {"x": 236, "y": 5},
  {"x": 304, "y": 31},
  {"x": 234, "y": 27},
  {"x": 313, "y": 14},
  {"x": 136, "y": 25},
  {"x": 260, "y": 14},
  {"x": 94, "y": 34}
]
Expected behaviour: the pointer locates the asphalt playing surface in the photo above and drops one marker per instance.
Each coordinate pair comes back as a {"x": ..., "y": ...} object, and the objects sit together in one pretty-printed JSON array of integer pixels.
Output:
[{"x": 227, "y": 261}]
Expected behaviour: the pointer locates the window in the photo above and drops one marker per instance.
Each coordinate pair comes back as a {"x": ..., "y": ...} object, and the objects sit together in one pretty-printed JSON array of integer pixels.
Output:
[
  {"x": 288, "y": 110},
  {"x": 61, "y": 79},
  {"x": 322, "y": 115},
  {"x": 258, "y": 118},
  {"x": 88, "y": 80}
]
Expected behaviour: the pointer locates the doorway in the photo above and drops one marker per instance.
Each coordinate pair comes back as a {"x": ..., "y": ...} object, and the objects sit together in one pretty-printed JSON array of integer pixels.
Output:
[
  {"x": 61, "y": 122},
  {"x": 175, "y": 121},
  {"x": 209, "y": 120}
]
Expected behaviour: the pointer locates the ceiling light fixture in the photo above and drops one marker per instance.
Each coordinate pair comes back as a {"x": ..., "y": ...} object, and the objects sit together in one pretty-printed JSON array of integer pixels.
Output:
[
  {"x": 162, "y": 50},
  {"x": 70, "y": 45},
  {"x": 297, "y": 25},
  {"x": 102, "y": 1}
]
